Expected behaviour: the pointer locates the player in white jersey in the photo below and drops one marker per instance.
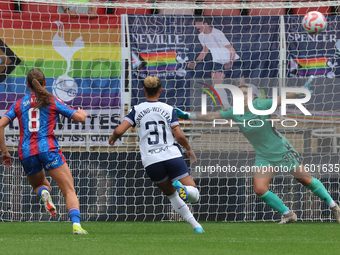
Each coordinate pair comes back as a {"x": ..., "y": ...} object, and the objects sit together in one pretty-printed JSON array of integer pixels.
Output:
[
  {"x": 158, "y": 130},
  {"x": 225, "y": 61}
]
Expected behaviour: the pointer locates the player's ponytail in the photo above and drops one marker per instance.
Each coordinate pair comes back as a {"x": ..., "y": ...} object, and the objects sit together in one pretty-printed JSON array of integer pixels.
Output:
[
  {"x": 152, "y": 84},
  {"x": 36, "y": 80}
]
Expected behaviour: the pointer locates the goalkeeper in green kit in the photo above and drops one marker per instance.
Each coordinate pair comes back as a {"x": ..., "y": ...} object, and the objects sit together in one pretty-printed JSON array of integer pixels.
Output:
[{"x": 272, "y": 151}]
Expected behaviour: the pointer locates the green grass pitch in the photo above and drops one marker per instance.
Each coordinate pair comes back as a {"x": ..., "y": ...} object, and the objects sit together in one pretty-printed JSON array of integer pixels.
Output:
[{"x": 169, "y": 238}]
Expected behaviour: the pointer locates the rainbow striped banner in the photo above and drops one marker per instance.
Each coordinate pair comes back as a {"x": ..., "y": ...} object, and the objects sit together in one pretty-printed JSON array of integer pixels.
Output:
[
  {"x": 310, "y": 66},
  {"x": 81, "y": 60},
  {"x": 160, "y": 61}
]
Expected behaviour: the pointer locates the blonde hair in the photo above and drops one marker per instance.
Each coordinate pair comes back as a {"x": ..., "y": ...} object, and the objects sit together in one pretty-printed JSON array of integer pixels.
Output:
[
  {"x": 152, "y": 82},
  {"x": 152, "y": 85},
  {"x": 36, "y": 80}
]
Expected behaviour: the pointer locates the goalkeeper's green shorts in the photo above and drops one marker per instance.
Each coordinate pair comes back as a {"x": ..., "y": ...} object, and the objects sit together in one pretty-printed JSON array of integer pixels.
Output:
[{"x": 284, "y": 162}]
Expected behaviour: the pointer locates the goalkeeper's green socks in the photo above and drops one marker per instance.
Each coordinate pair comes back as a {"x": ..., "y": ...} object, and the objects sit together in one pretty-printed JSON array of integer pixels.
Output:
[
  {"x": 274, "y": 202},
  {"x": 319, "y": 190},
  {"x": 316, "y": 187}
]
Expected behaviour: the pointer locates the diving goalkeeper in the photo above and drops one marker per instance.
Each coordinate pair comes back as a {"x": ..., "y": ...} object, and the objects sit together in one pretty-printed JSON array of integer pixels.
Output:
[{"x": 272, "y": 150}]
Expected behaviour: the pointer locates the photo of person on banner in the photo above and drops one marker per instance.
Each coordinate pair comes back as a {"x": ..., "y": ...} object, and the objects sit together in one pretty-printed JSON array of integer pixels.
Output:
[{"x": 225, "y": 61}]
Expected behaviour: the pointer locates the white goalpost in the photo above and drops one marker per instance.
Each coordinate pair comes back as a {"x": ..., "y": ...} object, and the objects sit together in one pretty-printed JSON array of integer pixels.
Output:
[{"x": 99, "y": 64}]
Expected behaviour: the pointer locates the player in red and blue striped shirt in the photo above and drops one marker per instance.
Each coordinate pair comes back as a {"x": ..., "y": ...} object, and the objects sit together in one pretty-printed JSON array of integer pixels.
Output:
[
  {"x": 37, "y": 124},
  {"x": 38, "y": 148}
]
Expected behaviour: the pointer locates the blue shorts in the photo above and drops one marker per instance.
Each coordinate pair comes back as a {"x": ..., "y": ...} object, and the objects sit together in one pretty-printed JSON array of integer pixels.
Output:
[
  {"x": 173, "y": 169},
  {"x": 46, "y": 160},
  {"x": 234, "y": 72}
]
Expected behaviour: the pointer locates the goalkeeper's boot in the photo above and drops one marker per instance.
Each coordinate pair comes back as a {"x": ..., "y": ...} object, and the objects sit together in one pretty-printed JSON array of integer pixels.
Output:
[
  {"x": 288, "y": 218},
  {"x": 199, "y": 230},
  {"x": 49, "y": 206},
  {"x": 78, "y": 230},
  {"x": 182, "y": 191},
  {"x": 336, "y": 212}
]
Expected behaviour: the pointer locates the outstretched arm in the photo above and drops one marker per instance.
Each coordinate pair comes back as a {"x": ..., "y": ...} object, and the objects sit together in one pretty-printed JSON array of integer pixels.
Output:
[
  {"x": 5, "y": 156},
  {"x": 232, "y": 52},
  {"x": 79, "y": 115},
  {"x": 289, "y": 95},
  {"x": 200, "y": 57},
  {"x": 295, "y": 95},
  {"x": 180, "y": 138},
  {"x": 196, "y": 116},
  {"x": 119, "y": 131},
  {"x": 203, "y": 54}
]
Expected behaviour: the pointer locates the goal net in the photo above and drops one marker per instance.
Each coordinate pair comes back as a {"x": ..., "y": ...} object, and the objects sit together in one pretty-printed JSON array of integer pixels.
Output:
[{"x": 98, "y": 62}]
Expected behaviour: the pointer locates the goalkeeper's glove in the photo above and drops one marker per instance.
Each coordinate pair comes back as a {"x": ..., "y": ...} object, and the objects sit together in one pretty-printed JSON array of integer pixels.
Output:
[
  {"x": 307, "y": 86},
  {"x": 185, "y": 115},
  {"x": 308, "y": 83}
]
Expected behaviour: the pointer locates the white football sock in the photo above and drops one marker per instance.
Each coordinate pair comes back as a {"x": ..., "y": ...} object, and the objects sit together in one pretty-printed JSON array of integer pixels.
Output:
[
  {"x": 285, "y": 213},
  {"x": 182, "y": 209},
  {"x": 194, "y": 224},
  {"x": 331, "y": 204},
  {"x": 193, "y": 194}
]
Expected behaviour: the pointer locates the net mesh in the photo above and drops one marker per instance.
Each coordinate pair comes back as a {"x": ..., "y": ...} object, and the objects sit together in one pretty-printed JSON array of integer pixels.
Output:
[{"x": 99, "y": 62}]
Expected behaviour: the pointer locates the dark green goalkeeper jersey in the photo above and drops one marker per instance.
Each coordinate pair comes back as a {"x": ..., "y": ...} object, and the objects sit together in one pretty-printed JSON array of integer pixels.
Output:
[{"x": 270, "y": 146}]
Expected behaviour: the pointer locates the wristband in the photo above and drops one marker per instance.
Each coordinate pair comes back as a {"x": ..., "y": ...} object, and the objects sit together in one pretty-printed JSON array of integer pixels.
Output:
[
  {"x": 307, "y": 85},
  {"x": 309, "y": 82}
]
